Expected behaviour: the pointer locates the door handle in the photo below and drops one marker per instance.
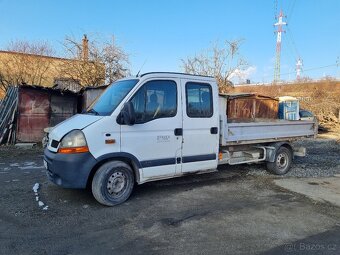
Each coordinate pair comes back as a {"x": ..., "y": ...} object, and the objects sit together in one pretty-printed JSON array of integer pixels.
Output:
[
  {"x": 178, "y": 131},
  {"x": 214, "y": 130}
]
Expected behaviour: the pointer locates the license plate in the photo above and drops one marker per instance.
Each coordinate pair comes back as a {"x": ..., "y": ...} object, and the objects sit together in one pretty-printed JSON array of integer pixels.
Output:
[{"x": 45, "y": 164}]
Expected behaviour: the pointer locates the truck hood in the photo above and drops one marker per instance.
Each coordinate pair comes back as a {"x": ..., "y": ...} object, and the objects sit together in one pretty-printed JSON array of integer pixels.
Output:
[{"x": 78, "y": 121}]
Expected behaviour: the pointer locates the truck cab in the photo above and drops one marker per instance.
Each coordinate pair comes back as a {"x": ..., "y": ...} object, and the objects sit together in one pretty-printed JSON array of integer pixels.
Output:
[{"x": 151, "y": 127}]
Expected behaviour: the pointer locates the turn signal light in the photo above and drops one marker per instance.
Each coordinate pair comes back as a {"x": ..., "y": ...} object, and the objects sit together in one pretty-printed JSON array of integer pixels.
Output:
[
  {"x": 72, "y": 150},
  {"x": 110, "y": 141}
]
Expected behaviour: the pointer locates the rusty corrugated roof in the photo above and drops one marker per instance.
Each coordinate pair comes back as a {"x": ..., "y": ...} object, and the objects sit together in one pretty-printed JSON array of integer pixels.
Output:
[{"x": 240, "y": 95}]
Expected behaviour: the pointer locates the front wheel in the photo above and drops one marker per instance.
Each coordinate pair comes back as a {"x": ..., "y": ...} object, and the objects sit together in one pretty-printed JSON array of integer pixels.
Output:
[
  {"x": 282, "y": 163},
  {"x": 113, "y": 183}
]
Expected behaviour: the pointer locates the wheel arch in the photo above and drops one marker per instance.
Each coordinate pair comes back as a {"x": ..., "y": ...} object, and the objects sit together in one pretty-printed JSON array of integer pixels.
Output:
[
  {"x": 273, "y": 147},
  {"x": 127, "y": 158}
]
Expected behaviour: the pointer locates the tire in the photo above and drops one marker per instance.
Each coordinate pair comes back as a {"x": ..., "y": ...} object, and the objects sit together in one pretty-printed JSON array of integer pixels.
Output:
[
  {"x": 282, "y": 163},
  {"x": 113, "y": 183}
]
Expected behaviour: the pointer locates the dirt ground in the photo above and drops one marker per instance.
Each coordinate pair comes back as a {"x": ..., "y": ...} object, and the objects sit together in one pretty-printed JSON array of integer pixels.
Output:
[{"x": 237, "y": 210}]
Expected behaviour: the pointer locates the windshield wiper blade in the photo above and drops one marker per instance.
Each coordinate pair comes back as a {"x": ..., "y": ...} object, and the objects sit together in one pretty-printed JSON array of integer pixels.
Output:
[{"x": 93, "y": 111}]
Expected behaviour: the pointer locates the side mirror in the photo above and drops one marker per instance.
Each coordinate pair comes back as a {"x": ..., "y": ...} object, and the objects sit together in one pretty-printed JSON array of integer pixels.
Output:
[{"x": 127, "y": 115}]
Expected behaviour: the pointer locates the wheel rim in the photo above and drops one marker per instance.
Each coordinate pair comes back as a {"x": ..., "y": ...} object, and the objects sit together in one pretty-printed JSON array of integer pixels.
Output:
[
  {"x": 116, "y": 183},
  {"x": 282, "y": 161}
]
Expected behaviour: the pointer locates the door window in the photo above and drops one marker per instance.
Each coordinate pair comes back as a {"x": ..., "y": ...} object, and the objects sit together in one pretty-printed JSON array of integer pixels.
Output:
[
  {"x": 155, "y": 99},
  {"x": 199, "y": 100}
]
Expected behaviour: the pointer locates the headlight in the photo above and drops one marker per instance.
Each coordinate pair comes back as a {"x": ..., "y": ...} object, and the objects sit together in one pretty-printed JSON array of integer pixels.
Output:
[{"x": 73, "y": 142}]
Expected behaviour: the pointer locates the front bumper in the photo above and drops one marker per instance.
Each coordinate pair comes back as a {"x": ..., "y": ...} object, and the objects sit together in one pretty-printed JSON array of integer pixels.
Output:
[{"x": 69, "y": 170}]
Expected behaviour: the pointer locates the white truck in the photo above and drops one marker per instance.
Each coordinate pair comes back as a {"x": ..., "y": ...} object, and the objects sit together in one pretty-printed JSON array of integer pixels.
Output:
[{"x": 157, "y": 126}]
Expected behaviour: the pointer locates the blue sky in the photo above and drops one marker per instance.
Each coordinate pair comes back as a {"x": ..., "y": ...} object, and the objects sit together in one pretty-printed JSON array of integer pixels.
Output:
[{"x": 161, "y": 33}]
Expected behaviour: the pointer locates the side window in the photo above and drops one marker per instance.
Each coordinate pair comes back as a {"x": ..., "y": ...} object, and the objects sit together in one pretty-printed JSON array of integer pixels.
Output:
[
  {"x": 155, "y": 99},
  {"x": 199, "y": 100}
]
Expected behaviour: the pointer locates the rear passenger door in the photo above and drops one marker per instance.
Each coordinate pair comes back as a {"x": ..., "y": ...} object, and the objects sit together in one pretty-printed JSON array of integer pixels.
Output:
[{"x": 200, "y": 125}]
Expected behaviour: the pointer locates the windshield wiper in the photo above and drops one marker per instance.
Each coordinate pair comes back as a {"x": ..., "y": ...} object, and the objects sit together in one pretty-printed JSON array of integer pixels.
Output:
[{"x": 93, "y": 111}]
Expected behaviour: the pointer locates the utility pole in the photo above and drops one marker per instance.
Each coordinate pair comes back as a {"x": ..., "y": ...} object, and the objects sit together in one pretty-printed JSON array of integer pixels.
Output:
[
  {"x": 298, "y": 69},
  {"x": 279, "y": 31}
]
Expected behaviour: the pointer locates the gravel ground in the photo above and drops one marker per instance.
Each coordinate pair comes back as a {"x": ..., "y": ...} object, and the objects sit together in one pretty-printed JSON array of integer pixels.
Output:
[{"x": 322, "y": 160}]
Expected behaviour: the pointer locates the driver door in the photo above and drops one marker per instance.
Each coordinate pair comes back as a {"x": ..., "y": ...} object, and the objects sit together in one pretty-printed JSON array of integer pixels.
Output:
[{"x": 152, "y": 139}]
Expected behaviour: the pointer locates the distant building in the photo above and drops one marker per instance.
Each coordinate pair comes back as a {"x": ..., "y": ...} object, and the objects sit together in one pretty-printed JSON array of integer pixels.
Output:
[{"x": 18, "y": 68}]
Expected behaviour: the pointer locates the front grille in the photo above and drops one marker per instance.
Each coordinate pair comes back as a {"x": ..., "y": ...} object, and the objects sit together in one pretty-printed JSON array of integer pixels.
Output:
[{"x": 54, "y": 144}]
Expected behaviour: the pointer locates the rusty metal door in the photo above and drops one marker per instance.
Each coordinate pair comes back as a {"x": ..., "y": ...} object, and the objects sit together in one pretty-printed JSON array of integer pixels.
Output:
[{"x": 33, "y": 115}]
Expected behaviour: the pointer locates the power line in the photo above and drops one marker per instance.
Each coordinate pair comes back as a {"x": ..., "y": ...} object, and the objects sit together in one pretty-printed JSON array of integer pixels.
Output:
[
  {"x": 312, "y": 69},
  {"x": 317, "y": 68},
  {"x": 306, "y": 70},
  {"x": 290, "y": 35},
  {"x": 292, "y": 51},
  {"x": 290, "y": 13}
]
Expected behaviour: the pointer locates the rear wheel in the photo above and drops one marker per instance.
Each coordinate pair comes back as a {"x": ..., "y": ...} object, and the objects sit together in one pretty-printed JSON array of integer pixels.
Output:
[
  {"x": 113, "y": 183},
  {"x": 282, "y": 163}
]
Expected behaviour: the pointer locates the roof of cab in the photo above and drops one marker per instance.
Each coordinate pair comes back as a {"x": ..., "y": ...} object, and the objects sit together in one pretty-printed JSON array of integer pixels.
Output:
[{"x": 177, "y": 75}]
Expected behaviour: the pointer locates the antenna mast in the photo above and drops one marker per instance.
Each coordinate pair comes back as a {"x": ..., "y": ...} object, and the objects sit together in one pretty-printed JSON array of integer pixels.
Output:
[{"x": 279, "y": 31}]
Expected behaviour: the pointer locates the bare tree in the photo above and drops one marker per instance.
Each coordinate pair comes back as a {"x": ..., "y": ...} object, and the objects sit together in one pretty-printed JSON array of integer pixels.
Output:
[
  {"x": 94, "y": 63},
  {"x": 25, "y": 63},
  {"x": 116, "y": 62},
  {"x": 219, "y": 62}
]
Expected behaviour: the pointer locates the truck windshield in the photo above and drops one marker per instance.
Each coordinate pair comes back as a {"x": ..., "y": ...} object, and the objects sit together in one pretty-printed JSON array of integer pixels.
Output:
[{"x": 111, "y": 97}]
